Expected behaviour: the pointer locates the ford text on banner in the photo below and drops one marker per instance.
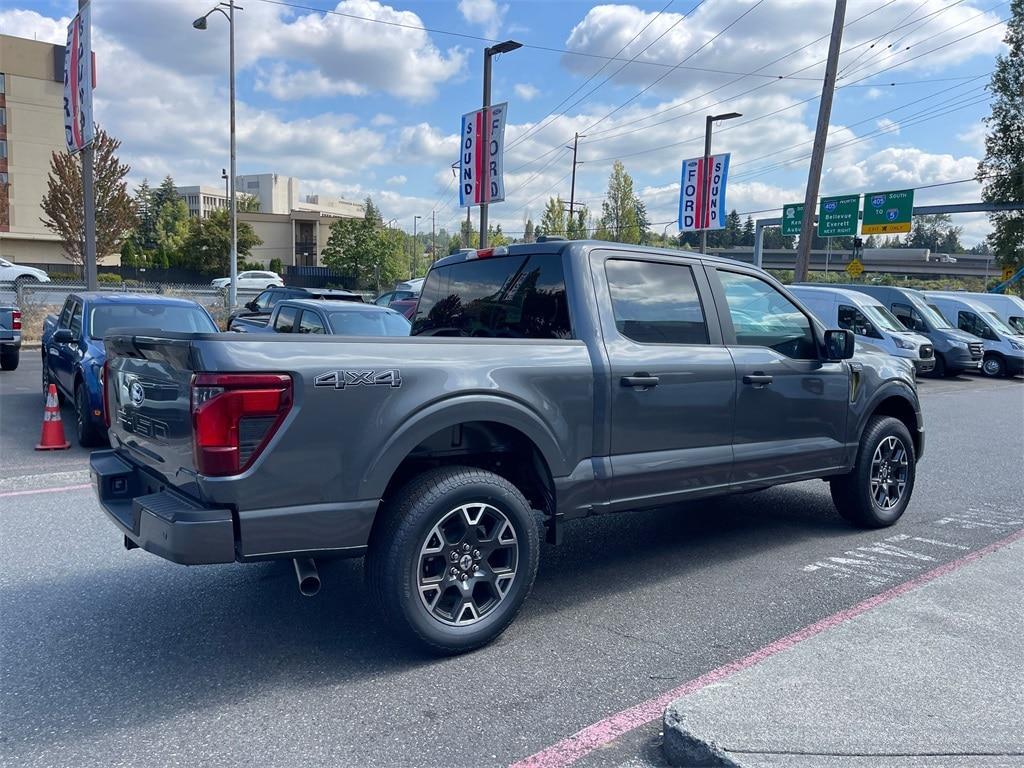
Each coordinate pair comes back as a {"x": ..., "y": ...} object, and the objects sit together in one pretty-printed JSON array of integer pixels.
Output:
[
  {"x": 702, "y": 199},
  {"x": 480, "y": 159},
  {"x": 79, "y": 129}
]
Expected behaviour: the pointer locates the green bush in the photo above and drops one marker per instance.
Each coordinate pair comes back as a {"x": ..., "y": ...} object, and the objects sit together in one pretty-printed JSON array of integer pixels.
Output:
[
  {"x": 276, "y": 266},
  {"x": 108, "y": 277},
  {"x": 63, "y": 277}
]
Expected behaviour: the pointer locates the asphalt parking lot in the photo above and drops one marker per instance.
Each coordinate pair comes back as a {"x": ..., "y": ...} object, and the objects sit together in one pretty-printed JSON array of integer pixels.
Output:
[{"x": 114, "y": 658}]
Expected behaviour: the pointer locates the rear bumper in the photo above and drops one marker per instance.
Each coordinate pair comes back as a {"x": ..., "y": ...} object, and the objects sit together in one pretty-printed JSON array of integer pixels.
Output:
[
  {"x": 157, "y": 519},
  {"x": 10, "y": 339}
]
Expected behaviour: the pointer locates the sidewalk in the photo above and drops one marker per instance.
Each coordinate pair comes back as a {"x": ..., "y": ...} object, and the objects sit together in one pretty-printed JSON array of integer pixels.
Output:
[{"x": 935, "y": 677}]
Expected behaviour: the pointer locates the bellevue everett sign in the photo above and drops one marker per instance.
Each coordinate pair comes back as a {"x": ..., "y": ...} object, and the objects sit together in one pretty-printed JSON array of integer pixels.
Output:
[{"x": 837, "y": 216}]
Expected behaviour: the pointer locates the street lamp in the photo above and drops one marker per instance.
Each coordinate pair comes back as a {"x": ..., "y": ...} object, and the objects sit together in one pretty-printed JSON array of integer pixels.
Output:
[
  {"x": 224, "y": 175},
  {"x": 412, "y": 263},
  {"x": 707, "y": 172},
  {"x": 494, "y": 50},
  {"x": 201, "y": 24}
]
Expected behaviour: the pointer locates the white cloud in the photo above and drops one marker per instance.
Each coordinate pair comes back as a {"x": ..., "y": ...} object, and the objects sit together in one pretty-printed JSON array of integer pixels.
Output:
[
  {"x": 397, "y": 181},
  {"x": 974, "y": 138},
  {"x": 381, "y": 120},
  {"x": 286, "y": 84},
  {"x": 487, "y": 14},
  {"x": 888, "y": 126},
  {"x": 526, "y": 91},
  {"x": 423, "y": 143}
]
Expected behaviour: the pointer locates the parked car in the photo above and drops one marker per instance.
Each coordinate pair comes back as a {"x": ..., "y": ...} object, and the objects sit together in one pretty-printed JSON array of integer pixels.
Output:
[
  {"x": 260, "y": 307},
  {"x": 565, "y": 379},
  {"x": 955, "y": 351},
  {"x": 10, "y": 337},
  {"x": 250, "y": 279},
  {"x": 1004, "y": 349},
  {"x": 73, "y": 349},
  {"x": 407, "y": 307},
  {"x": 387, "y": 299},
  {"x": 339, "y": 318},
  {"x": 869, "y": 320},
  {"x": 20, "y": 274},
  {"x": 1008, "y": 308}
]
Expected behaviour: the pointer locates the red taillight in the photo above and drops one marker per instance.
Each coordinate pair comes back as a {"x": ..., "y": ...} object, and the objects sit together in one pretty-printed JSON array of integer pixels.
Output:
[
  {"x": 15, "y": 319},
  {"x": 234, "y": 416},
  {"x": 484, "y": 253},
  {"x": 104, "y": 389}
]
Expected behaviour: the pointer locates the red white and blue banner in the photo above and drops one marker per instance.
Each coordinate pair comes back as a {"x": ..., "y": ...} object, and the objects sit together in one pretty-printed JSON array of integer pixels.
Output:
[
  {"x": 79, "y": 79},
  {"x": 481, "y": 177},
  {"x": 702, "y": 193}
]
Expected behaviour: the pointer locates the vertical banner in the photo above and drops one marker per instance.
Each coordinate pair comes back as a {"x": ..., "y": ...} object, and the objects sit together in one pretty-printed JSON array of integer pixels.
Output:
[
  {"x": 79, "y": 129},
  {"x": 481, "y": 156},
  {"x": 702, "y": 193}
]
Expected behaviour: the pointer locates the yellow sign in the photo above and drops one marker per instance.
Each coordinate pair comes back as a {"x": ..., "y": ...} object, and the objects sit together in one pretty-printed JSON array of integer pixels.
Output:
[
  {"x": 854, "y": 268},
  {"x": 1008, "y": 272}
]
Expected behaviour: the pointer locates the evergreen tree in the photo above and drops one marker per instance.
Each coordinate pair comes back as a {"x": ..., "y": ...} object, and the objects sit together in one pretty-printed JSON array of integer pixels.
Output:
[
  {"x": 165, "y": 193},
  {"x": 171, "y": 231},
  {"x": 1002, "y": 170},
  {"x": 363, "y": 249},
  {"x": 208, "y": 245},
  {"x": 747, "y": 238},
  {"x": 643, "y": 223},
  {"x": 871, "y": 242},
  {"x": 731, "y": 235},
  {"x": 529, "y": 235},
  {"x": 145, "y": 232},
  {"x": 553, "y": 220},
  {"x": 576, "y": 227},
  {"x": 619, "y": 221}
]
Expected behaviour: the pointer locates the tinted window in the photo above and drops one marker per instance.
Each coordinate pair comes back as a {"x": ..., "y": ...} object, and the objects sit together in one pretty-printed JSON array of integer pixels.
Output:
[
  {"x": 76, "y": 320},
  {"x": 656, "y": 303},
  {"x": 369, "y": 324},
  {"x": 852, "y": 319},
  {"x": 265, "y": 301},
  {"x": 506, "y": 297},
  {"x": 65, "y": 314},
  {"x": 909, "y": 317},
  {"x": 285, "y": 322},
  {"x": 153, "y": 316},
  {"x": 1016, "y": 322},
  {"x": 310, "y": 322},
  {"x": 763, "y": 317}
]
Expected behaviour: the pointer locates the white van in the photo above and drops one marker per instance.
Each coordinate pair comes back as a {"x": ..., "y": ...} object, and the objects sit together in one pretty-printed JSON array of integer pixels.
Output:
[
  {"x": 1004, "y": 349},
  {"x": 869, "y": 320},
  {"x": 1009, "y": 309}
]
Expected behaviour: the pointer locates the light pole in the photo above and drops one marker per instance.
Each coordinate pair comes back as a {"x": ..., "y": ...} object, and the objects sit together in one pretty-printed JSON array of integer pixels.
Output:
[
  {"x": 412, "y": 265},
  {"x": 485, "y": 140},
  {"x": 227, "y": 194},
  {"x": 707, "y": 170},
  {"x": 200, "y": 24}
]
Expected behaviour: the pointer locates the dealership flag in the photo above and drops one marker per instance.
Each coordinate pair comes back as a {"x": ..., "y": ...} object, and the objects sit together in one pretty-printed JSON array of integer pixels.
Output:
[
  {"x": 480, "y": 157},
  {"x": 79, "y": 129},
  {"x": 702, "y": 199}
]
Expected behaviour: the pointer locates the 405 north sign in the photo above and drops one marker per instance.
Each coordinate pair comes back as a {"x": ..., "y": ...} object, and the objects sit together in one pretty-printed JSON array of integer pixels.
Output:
[{"x": 888, "y": 212}]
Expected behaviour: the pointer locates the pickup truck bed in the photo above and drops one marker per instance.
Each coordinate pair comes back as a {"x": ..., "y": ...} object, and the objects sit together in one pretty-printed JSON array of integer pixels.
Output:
[{"x": 559, "y": 379}]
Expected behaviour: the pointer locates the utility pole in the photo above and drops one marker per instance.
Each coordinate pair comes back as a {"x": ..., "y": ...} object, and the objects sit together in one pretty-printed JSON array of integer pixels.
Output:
[
  {"x": 803, "y": 254},
  {"x": 572, "y": 186},
  {"x": 89, "y": 193},
  {"x": 412, "y": 264},
  {"x": 433, "y": 236}
]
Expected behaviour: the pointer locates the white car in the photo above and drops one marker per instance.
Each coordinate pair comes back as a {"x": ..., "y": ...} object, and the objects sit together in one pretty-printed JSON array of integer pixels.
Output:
[
  {"x": 251, "y": 279},
  {"x": 19, "y": 274}
]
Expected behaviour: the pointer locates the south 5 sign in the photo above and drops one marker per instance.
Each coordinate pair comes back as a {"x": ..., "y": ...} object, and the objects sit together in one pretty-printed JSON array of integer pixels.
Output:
[
  {"x": 702, "y": 193},
  {"x": 480, "y": 156},
  {"x": 888, "y": 212}
]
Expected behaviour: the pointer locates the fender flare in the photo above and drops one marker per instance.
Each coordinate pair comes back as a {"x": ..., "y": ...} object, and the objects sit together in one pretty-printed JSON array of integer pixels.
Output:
[
  {"x": 894, "y": 388},
  {"x": 450, "y": 412}
]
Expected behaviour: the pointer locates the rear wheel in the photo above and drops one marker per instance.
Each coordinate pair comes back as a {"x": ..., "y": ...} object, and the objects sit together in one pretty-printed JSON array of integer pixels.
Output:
[
  {"x": 453, "y": 558},
  {"x": 876, "y": 493},
  {"x": 23, "y": 280},
  {"x": 88, "y": 434},
  {"x": 994, "y": 367},
  {"x": 9, "y": 359}
]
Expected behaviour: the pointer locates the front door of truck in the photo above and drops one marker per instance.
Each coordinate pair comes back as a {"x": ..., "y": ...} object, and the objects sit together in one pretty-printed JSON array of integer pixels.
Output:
[
  {"x": 791, "y": 406},
  {"x": 672, "y": 381}
]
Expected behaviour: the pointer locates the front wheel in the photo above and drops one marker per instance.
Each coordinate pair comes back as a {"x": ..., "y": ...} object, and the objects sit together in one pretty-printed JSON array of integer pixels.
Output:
[
  {"x": 993, "y": 367},
  {"x": 939, "y": 371},
  {"x": 876, "y": 493},
  {"x": 88, "y": 435},
  {"x": 453, "y": 558}
]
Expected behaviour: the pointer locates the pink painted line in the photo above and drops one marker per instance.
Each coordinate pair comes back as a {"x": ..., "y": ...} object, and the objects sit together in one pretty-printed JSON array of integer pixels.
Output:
[
  {"x": 593, "y": 737},
  {"x": 58, "y": 489}
]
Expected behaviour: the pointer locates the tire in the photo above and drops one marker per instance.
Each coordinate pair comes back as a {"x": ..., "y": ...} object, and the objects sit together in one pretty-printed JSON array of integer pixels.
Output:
[
  {"x": 417, "y": 558},
  {"x": 9, "y": 359},
  {"x": 886, "y": 464},
  {"x": 88, "y": 435},
  {"x": 939, "y": 371},
  {"x": 23, "y": 280},
  {"x": 994, "y": 367}
]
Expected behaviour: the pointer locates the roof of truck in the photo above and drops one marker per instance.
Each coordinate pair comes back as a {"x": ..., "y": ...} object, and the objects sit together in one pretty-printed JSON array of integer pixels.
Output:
[
  {"x": 334, "y": 306},
  {"x": 99, "y": 297}
]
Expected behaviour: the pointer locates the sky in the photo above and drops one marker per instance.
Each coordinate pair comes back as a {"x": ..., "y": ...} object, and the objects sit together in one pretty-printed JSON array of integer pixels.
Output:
[{"x": 355, "y": 107}]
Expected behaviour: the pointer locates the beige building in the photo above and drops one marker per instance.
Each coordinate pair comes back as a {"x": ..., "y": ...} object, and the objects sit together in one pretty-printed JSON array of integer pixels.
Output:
[
  {"x": 202, "y": 201},
  {"x": 296, "y": 238},
  {"x": 31, "y": 128}
]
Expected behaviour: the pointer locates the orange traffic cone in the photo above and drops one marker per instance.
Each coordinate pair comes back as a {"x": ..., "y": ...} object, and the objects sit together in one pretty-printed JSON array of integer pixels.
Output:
[{"x": 52, "y": 438}]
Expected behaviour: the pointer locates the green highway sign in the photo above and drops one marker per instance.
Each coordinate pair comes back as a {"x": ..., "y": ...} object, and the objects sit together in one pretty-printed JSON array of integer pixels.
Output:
[
  {"x": 792, "y": 218},
  {"x": 888, "y": 212},
  {"x": 837, "y": 216}
]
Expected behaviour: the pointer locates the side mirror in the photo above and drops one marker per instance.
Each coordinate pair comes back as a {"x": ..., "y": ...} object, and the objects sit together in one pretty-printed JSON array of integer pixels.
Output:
[
  {"x": 251, "y": 305},
  {"x": 62, "y": 336},
  {"x": 838, "y": 345}
]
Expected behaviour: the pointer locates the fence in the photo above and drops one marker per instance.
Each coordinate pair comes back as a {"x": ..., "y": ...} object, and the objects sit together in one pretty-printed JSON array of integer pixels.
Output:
[{"x": 141, "y": 275}]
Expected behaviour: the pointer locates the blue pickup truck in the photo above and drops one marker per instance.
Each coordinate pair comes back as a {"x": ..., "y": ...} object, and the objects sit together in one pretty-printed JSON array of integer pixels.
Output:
[{"x": 73, "y": 352}]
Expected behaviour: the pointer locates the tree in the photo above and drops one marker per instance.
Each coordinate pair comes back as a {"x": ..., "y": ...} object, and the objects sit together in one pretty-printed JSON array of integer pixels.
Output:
[
  {"x": 576, "y": 226},
  {"x": 496, "y": 237},
  {"x": 166, "y": 193},
  {"x": 248, "y": 203},
  {"x": 619, "y": 221},
  {"x": 747, "y": 237},
  {"x": 935, "y": 232},
  {"x": 208, "y": 245},
  {"x": 1002, "y": 169},
  {"x": 363, "y": 250},
  {"x": 553, "y": 220},
  {"x": 643, "y": 223},
  {"x": 145, "y": 232},
  {"x": 732, "y": 233},
  {"x": 529, "y": 235},
  {"x": 171, "y": 232},
  {"x": 64, "y": 202},
  {"x": 871, "y": 242}
]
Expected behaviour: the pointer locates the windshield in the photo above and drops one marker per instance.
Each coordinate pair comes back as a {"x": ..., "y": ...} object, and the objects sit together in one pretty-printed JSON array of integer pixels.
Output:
[
  {"x": 1018, "y": 323},
  {"x": 931, "y": 315},
  {"x": 359, "y": 323},
  {"x": 883, "y": 318},
  {"x": 997, "y": 324},
  {"x": 154, "y": 316}
]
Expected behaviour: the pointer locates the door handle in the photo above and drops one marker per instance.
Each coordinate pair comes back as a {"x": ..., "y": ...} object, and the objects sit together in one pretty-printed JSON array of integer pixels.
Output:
[
  {"x": 639, "y": 380},
  {"x": 757, "y": 379}
]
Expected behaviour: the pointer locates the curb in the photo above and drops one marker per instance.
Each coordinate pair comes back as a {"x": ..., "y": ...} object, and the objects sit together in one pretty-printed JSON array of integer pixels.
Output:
[{"x": 682, "y": 748}]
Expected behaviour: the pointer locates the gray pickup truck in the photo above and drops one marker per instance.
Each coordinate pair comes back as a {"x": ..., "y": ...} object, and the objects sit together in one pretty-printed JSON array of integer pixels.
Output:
[
  {"x": 10, "y": 337},
  {"x": 542, "y": 382}
]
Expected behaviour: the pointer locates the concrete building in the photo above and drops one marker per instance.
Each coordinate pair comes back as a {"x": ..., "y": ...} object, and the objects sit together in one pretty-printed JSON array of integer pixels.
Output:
[
  {"x": 202, "y": 201},
  {"x": 31, "y": 128}
]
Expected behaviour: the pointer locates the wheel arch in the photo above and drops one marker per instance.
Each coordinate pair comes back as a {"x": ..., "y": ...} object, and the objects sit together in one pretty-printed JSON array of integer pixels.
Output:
[{"x": 895, "y": 401}]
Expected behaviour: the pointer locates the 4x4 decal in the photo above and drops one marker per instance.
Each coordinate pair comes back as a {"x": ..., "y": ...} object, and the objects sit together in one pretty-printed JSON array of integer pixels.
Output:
[{"x": 342, "y": 379}]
